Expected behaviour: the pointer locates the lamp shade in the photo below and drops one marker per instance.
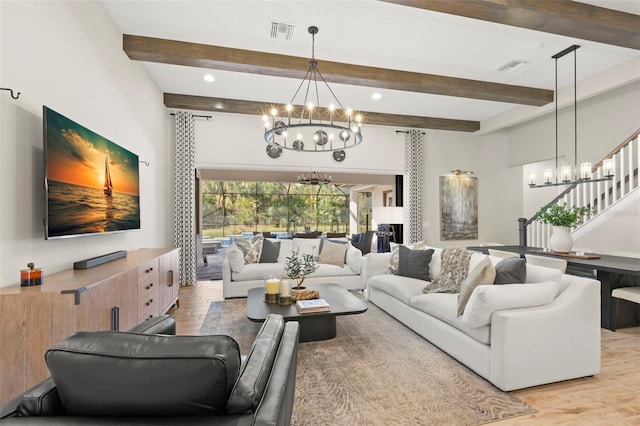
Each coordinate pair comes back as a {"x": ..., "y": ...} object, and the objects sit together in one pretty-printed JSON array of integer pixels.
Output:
[{"x": 387, "y": 215}]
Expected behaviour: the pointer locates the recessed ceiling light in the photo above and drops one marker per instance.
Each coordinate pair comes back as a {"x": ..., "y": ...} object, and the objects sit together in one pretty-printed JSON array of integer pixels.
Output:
[
  {"x": 209, "y": 78},
  {"x": 376, "y": 96}
]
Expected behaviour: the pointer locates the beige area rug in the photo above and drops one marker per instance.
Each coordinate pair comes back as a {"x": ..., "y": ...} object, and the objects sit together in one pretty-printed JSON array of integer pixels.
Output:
[{"x": 376, "y": 372}]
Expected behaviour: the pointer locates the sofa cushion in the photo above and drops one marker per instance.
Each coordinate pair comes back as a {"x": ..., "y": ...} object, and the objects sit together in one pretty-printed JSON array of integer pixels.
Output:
[
  {"x": 251, "y": 248},
  {"x": 512, "y": 270},
  {"x": 455, "y": 267},
  {"x": 401, "y": 288},
  {"x": 254, "y": 375},
  {"x": 109, "y": 373},
  {"x": 444, "y": 306},
  {"x": 307, "y": 246},
  {"x": 286, "y": 250},
  {"x": 414, "y": 263},
  {"x": 483, "y": 274},
  {"x": 353, "y": 259},
  {"x": 486, "y": 299},
  {"x": 327, "y": 270},
  {"x": 333, "y": 253},
  {"x": 258, "y": 271},
  {"x": 270, "y": 251},
  {"x": 235, "y": 258}
]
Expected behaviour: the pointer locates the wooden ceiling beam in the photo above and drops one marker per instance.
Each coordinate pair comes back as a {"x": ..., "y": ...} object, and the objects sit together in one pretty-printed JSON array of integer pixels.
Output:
[
  {"x": 204, "y": 103},
  {"x": 567, "y": 18},
  {"x": 224, "y": 58}
]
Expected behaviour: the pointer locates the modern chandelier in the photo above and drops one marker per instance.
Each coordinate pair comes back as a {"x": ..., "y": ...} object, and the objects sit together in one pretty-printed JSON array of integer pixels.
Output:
[
  {"x": 314, "y": 178},
  {"x": 567, "y": 175},
  {"x": 308, "y": 127}
]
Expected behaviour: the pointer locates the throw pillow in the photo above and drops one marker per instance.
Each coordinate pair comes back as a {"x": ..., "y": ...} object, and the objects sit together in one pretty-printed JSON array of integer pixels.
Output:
[
  {"x": 251, "y": 248},
  {"x": 270, "y": 251},
  {"x": 393, "y": 263},
  {"x": 414, "y": 263},
  {"x": 235, "y": 258},
  {"x": 333, "y": 253},
  {"x": 455, "y": 267},
  {"x": 511, "y": 271},
  {"x": 353, "y": 258},
  {"x": 488, "y": 299},
  {"x": 483, "y": 274}
]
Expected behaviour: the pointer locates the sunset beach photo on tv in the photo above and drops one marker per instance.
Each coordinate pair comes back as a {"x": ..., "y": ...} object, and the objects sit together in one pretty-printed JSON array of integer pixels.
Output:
[{"x": 92, "y": 184}]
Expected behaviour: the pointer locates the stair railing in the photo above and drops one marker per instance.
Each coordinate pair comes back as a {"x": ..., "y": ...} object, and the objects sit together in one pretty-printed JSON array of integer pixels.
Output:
[{"x": 598, "y": 196}]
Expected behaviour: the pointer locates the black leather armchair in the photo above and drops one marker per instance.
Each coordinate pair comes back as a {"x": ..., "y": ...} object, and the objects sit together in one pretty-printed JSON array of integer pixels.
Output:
[{"x": 137, "y": 378}]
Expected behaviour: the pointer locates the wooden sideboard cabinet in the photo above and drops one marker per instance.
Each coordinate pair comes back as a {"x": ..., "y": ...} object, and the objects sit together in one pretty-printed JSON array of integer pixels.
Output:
[{"x": 113, "y": 296}]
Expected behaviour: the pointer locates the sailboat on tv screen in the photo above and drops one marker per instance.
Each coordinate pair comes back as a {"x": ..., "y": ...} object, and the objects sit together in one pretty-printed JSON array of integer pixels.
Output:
[{"x": 108, "y": 185}]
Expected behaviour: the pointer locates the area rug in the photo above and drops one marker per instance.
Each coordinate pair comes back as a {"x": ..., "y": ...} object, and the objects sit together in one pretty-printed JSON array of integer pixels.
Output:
[
  {"x": 376, "y": 372},
  {"x": 213, "y": 269}
]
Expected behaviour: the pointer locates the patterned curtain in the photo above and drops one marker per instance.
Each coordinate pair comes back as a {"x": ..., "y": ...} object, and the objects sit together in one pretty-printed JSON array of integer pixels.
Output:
[
  {"x": 414, "y": 185},
  {"x": 185, "y": 204}
]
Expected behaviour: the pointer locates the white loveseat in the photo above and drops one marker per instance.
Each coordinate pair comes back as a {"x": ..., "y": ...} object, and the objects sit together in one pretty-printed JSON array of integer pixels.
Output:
[
  {"x": 236, "y": 283},
  {"x": 515, "y": 336}
]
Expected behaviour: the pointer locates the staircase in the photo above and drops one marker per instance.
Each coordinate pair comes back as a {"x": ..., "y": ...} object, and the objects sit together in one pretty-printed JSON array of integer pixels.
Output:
[{"x": 603, "y": 197}]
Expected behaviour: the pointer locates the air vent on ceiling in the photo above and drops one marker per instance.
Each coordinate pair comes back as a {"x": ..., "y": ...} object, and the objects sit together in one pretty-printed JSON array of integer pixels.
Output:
[
  {"x": 281, "y": 30},
  {"x": 513, "y": 65}
]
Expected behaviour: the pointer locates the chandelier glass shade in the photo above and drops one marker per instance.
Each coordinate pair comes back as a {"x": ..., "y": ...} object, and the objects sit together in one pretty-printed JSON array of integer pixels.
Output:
[
  {"x": 314, "y": 178},
  {"x": 308, "y": 127},
  {"x": 568, "y": 175}
]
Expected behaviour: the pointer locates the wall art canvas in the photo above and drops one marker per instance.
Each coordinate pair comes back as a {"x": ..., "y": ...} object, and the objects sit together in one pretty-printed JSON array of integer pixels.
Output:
[{"x": 458, "y": 208}]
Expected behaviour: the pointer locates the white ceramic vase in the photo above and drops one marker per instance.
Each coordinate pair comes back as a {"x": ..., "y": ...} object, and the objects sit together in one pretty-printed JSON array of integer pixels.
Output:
[{"x": 561, "y": 240}]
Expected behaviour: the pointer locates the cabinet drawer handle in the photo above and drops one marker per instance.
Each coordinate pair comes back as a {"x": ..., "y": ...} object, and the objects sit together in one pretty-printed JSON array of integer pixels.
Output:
[
  {"x": 150, "y": 316},
  {"x": 170, "y": 279},
  {"x": 149, "y": 302},
  {"x": 149, "y": 286},
  {"x": 149, "y": 270}
]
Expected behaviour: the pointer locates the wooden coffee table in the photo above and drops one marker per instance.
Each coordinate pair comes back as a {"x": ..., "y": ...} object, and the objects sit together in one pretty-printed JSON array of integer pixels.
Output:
[{"x": 313, "y": 326}]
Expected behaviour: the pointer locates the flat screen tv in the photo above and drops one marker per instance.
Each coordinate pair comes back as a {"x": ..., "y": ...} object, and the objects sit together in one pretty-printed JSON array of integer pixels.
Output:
[{"x": 92, "y": 185}]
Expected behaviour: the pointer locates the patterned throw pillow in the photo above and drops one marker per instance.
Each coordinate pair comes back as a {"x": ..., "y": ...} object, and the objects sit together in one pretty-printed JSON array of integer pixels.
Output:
[
  {"x": 455, "y": 267},
  {"x": 393, "y": 263},
  {"x": 251, "y": 248}
]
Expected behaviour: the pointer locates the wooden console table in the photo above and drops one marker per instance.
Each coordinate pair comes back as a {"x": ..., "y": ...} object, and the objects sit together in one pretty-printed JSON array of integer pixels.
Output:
[
  {"x": 114, "y": 296},
  {"x": 608, "y": 270}
]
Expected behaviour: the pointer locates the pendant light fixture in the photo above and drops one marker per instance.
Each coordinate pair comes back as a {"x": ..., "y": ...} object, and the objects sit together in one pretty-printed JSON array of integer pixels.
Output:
[
  {"x": 567, "y": 175},
  {"x": 308, "y": 127}
]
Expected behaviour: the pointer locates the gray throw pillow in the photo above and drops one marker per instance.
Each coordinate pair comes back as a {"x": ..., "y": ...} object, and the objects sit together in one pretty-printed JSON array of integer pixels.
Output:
[
  {"x": 511, "y": 271},
  {"x": 414, "y": 263},
  {"x": 270, "y": 251}
]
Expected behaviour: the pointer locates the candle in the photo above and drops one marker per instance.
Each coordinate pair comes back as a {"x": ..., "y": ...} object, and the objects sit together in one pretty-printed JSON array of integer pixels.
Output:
[
  {"x": 565, "y": 172},
  {"x": 532, "y": 179},
  {"x": 585, "y": 171},
  {"x": 273, "y": 286},
  {"x": 285, "y": 291},
  {"x": 548, "y": 174}
]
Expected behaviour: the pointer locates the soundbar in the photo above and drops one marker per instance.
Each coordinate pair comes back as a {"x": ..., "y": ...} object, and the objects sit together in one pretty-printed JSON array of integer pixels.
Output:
[{"x": 99, "y": 260}]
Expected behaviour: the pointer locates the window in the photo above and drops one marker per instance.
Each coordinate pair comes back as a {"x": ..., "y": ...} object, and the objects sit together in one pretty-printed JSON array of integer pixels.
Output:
[{"x": 231, "y": 208}]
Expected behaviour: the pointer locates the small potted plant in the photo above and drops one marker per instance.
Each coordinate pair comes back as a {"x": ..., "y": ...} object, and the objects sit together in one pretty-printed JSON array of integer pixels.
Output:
[
  {"x": 562, "y": 218},
  {"x": 297, "y": 267},
  {"x": 205, "y": 260}
]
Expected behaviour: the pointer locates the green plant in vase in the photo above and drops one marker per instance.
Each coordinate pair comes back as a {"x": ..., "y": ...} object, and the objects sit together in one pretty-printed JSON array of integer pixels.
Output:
[
  {"x": 562, "y": 218},
  {"x": 298, "y": 266}
]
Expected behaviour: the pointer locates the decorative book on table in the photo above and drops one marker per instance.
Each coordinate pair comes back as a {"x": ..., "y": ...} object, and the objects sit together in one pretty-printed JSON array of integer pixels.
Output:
[{"x": 313, "y": 305}]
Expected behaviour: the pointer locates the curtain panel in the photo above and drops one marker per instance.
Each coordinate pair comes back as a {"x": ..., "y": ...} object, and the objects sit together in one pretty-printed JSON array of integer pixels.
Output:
[
  {"x": 414, "y": 185},
  {"x": 185, "y": 204}
]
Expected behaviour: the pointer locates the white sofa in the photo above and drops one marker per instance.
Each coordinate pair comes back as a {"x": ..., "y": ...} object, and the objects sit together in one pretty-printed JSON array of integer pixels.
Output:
[
  {"x": 499, "y": 336},
  {"x": 237, "y": 283}
]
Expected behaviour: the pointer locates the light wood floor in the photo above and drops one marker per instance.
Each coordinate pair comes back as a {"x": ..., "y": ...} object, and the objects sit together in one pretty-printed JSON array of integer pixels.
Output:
[{"x": 610, "y": 398}]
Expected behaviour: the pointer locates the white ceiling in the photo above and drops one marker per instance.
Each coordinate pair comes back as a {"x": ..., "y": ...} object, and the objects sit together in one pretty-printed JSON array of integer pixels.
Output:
[{"x": 364, "y": 32}]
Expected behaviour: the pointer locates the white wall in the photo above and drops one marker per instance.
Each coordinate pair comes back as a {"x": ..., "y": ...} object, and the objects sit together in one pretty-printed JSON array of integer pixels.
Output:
[
  {"x": 68, "y": 55},
  {"x": 234, "y": 141}
]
